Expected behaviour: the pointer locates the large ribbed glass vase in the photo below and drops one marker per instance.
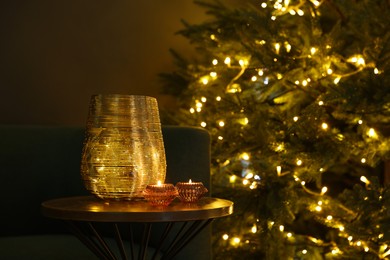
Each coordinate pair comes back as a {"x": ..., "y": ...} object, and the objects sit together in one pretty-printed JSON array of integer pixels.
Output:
[{"x": 123, "y": 148}]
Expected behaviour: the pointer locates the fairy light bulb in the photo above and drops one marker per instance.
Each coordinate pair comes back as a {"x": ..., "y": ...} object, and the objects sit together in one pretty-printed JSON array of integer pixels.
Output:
[
  {"x": 254, "y": 78},
  {"x": 321, "y": 103},
  {"x": 304, "y": 251},
  {"x": 203, "y": 99},
  {"x": 336, "y": 80},
  {"x": 289, "y": 234},
  {"x": 324, "y": 126},
  {"x": 329, "y": 217},
  {"x": 245, "y": 156},
  {"x": 264, "y": 5},
  {"x": 341, "y": 228},
  {"x": 192, "y": 110},
  {"x": 205, "y": 81},
  {"x": 299, "y": 162},
  {"x": 281, "y": 228},
  {"x": 329, "y": 71},
  {"x": 313, "y": 50},
  {"x": 277, "y": 47},
  {"x": 371, "y": 133},
  {"x": 212, "y": 37},
  {"x": 203, "y": 124},
  {"x": 363, "y": 160},
  {"x": 221, "y": 123},
  {"x": 235, "y": 241},
  {"x": 227, "y": 60},
  {"x": 225, "y": 236},
  {"x": 295, "y": 118},
  {"x": 218, "y": 98},
  {"x": 279, "y": 170},
  {"x": 254, "y": 229},
  {"x": 233, "y": 179},
  {"x": 213, "y": 74},
  {"x": 261, "y": 72},
  {"x": 287, "y": 46},
  {"x": 376, "y": 71},
  {"x": 301, "y": 12},
  {"x": 214, "y": 62},
  {"x": 324, "y": 190},
  {"x": 364, "y": 179}
]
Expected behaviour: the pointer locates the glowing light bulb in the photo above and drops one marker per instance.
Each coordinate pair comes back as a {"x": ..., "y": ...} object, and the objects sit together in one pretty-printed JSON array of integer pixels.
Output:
[
  {"x": 324, "y": 126},
  {"x": 254, "y": 229},
  {"x": 287, "y": 46},
  {"x": 277, "y": 47},
  {"x": 261, "y": 73},
  {"x": 313, "y": 50},
  {"x": 329, "y": 71},
  {"x": 232, "y": 179},
  {"x": 364, "y": 179},
  {"x": 236, "y": 241},
  {"x": 324, "y": 190},
  {"x": 245, "y": 156},
  {"x": 221, "y": 123},
  {"x": 304, "y": 251},
  {"x": 300, "y": 12},
  {"x": 295, "y": 118},
  {"x": 227, "y": 60},
  {"x": 289, "y": 234},
  {"x": 318, "y": 208},
  {"x": 254, "y": 78},
  {"x": 281, "y": 228},
  {"x": 371, "y": 133},
  {"x": 213, "y": 74},
  {"x": 299, "y": 162},
  {"x": 225, "y": 237},
  {"x": 218, "y": 98},
  {"x": 329, "y": 217},
  {"x": 336, "y": 80},
  {"x": 320, "y": 103},
  {"x": 264, "y": 5},
  {"x": 214, "y": 62},
  {"x": 278, "y": 170},
  {"x": 205, "y": 81},
  {"x": 192, "y": 110},
  {"x": 363, "y": 160},
  {"x": 203, "y": 124}
]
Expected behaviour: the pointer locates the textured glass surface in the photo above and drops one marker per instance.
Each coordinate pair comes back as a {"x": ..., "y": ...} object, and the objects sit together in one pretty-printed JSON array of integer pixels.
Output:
[{"x": 123, "y": 149}]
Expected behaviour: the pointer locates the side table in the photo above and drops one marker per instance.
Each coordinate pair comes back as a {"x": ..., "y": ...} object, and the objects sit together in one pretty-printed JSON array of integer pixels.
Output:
[{"x": 84, "y": 212}]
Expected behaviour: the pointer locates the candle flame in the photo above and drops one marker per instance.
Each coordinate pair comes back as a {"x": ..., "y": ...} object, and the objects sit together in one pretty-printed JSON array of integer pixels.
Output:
[
  {"x": 158, "y": 183},
  {"x": 190, "y": 181}
]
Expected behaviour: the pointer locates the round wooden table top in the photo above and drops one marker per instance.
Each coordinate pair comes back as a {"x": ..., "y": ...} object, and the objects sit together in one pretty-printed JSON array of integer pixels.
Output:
[{"x": 89, "y": 208}]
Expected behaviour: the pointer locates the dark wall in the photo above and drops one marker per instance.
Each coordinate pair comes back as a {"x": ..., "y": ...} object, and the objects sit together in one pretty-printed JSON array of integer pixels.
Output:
[{"x": 55, "y": 54}]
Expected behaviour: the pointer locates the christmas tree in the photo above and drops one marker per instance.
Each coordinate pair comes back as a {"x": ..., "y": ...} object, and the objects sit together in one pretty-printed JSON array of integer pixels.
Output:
[{"x": 296, "y": 97}]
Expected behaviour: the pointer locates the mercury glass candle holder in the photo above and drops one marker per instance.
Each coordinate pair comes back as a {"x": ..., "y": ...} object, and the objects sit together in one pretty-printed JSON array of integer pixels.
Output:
[
  {"x": 123, "y": 148},
  {"x": 191, "y": 192},
  {"x": 160, "y": 195}
]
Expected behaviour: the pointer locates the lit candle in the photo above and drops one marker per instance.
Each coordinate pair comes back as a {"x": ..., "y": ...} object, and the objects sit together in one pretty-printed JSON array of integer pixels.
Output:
[
  {"x": 190, "y": 191},
  {"x": 160, "y": 194}
]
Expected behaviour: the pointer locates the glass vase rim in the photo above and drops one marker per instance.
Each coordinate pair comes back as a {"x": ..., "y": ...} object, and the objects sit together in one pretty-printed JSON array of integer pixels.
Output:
[{"x": 122, "y": 96}]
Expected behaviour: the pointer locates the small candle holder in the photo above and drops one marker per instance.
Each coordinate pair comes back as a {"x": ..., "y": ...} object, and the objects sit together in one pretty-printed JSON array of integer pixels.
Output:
[
  {"x": 160, "y": 195},
  {"x": 190, "y": 192}
]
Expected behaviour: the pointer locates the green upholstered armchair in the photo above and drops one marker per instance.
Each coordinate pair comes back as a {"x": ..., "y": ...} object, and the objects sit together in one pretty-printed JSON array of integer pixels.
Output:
[{"x": 39, "y": 163}]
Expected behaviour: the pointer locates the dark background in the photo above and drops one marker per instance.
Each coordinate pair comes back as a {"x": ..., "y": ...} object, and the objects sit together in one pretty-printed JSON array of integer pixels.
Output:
[{"x": 55, "y": 54}]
